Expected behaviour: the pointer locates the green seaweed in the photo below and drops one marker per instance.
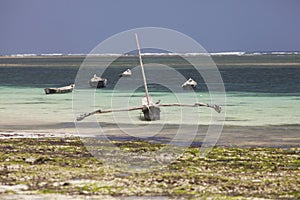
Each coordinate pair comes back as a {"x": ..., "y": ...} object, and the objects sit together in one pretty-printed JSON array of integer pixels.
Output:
[{"x": 63, "y": 165}]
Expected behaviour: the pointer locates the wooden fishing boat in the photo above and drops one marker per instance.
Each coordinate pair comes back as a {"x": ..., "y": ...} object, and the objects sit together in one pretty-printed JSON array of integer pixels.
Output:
[
  {"x": 190, "y": 83},
  {"x": 151, "y": 111},
  {"x": 126, "y": 73},
  {"x": 60, "y": 90},
  {"x": 98, "y": 82}
]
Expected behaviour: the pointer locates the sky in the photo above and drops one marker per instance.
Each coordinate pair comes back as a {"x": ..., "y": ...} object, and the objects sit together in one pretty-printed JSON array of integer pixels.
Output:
[{"x": 73, "y": 26}]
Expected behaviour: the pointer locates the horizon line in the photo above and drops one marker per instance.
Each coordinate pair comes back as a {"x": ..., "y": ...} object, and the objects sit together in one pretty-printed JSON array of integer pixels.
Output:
[{"x": 157, "y": 53}]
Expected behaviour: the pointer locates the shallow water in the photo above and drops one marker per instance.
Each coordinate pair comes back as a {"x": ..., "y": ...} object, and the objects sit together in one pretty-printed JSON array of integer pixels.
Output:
[{"x": 255, "y": 95}]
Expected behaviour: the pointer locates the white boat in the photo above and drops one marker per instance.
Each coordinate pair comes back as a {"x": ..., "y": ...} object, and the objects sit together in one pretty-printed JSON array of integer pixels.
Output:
[
  {"x": 126, "y": 73},
  {"x": 98, "y": 82},
  {"x": 59, "y": 90},
  {"x": 189, "y": 83}
]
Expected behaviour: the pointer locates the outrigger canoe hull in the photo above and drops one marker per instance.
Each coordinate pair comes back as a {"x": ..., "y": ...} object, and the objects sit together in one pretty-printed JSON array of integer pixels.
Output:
[
  {"x": 60, "y": 90},
  {"x": 152, "y": 113}
]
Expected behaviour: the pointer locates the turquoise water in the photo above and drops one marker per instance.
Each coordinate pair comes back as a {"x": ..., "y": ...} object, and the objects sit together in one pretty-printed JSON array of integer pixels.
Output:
[
  {"x": 32, "y": 106},
  {"x": 256, "y": 95}
]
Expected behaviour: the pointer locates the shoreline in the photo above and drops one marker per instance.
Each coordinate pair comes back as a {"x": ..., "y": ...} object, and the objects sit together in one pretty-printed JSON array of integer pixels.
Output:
[{"x": 240, "y": 136}]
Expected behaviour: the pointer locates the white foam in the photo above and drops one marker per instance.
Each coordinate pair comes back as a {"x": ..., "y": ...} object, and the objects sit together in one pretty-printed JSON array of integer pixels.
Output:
[
  {"x": 284, "y": 53},
  {"x": 5, "y": 134},
  {"x": 106, "y": 54},
  {"x": 174, "y": 54},
  {"x": 22, "y": 55},
  {"x": 233, "y": 53},
  {"x": 237, "y": 53},
  {"x": 255, "y": 54},
  {"x": 273, "y": 53},
  {"x": 52, "y": 54}
]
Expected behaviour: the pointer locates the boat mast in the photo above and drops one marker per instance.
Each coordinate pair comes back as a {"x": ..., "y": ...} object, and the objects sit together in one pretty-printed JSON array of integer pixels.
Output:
[{"x": 143, "y": 72}]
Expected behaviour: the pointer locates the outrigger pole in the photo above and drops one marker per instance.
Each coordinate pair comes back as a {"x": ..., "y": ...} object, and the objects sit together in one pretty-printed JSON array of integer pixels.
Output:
[{"x": 100, "y": 111}]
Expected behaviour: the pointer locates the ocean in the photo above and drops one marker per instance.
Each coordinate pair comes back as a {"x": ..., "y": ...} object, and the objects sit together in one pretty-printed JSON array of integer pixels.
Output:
[{"x": 262, "y": 90}]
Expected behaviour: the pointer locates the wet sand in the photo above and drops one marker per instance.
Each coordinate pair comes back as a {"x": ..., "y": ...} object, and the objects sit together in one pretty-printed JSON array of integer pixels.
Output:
[{"x": 240, "y": 136}]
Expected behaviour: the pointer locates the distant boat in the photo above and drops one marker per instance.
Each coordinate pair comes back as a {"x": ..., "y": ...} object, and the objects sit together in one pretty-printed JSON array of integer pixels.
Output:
[
  {"x": 126, "y": 73},
  {"x": 189, "y": 84},
  {"x": 98, "y": 82},
  {"x": 60, "y": 90}
]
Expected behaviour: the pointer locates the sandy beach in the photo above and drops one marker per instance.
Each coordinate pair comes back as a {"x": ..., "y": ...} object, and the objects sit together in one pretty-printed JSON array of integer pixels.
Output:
[{"x": 239, "y": 136}]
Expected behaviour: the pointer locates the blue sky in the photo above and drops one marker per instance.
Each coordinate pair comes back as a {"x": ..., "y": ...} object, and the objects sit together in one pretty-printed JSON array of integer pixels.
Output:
[{"x": 72, "y": 26}]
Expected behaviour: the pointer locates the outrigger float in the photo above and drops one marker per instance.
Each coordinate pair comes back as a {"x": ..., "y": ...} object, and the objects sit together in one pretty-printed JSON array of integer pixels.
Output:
[{"x": 150, "y": 110}]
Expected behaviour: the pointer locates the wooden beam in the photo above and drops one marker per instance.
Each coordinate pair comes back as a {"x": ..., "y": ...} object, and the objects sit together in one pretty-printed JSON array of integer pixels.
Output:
[
  {"x": 215, "y": 107},
  {"x": 100, "y": 111},
  {"x": 143, "y": 72}
]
